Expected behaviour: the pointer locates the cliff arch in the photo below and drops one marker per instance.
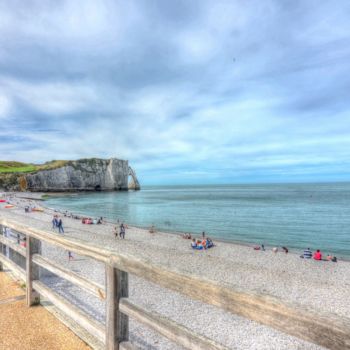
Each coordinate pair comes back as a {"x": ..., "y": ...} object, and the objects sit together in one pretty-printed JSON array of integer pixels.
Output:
[{"x": 134, "y": 183}]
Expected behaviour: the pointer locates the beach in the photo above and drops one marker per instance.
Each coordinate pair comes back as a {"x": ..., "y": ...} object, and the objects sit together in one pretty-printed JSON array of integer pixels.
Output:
[{"x": 321, "y": 286}]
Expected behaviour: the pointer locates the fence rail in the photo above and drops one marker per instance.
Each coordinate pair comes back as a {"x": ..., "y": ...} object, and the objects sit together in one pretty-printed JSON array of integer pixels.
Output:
[{"x": 329, "y": 331}]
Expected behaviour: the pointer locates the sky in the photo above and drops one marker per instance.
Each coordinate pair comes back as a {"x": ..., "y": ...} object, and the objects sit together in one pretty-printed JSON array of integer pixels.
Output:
[{"x": 190, "y": 92}]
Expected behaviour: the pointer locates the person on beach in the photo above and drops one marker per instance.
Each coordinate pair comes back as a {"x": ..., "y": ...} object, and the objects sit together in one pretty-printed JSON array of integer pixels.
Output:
[
  {"x": 307, "y": 254},
  {"x": 285, "y": 249},
  {"x": 116, "y": 232},
  {"x": 209, "y": 243},
  {"x": 275, "y": 249},
  {"x": 152, "y": 229},
  {"x": 203, "y": 234},
  {"x": 54, "y": 222},
  {"x": 317, "y": 255},
  {"x": 329, "y": 257},
  {"x": 122, "y": 231},
  {"x": 70, "y": 256},
  {"x": 262, "y": 247},
  {"x": 60, "y": 226},
  {"x": 193, "y": 244}
]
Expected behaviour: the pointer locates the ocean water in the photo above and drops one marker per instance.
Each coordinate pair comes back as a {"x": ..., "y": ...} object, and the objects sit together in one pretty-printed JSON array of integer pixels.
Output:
[{"x": 292, "y": 215}]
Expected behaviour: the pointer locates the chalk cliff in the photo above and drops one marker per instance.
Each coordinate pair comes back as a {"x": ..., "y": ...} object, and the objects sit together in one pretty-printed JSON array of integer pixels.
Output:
[{"x": 80, "y": 175}]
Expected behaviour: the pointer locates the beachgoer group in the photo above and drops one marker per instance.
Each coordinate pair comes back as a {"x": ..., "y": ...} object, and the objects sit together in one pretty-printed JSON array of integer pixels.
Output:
[
  {"x": 307, "y": 253},
  {"x": 57, "y": 223},
  {"x": 203, "y": 244},
  {"x": 120, "y": 230},
  {"x": 317, "y": 255}
]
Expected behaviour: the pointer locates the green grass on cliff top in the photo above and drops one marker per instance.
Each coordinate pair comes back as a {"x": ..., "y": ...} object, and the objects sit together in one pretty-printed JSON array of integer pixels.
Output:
[{"x": 18, "y": 167}]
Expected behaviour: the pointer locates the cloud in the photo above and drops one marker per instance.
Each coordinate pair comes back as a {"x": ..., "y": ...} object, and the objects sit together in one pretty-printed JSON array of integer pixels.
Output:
[
  {"x": 187, "y": 91},
  {"x": 5, "y": 106}
]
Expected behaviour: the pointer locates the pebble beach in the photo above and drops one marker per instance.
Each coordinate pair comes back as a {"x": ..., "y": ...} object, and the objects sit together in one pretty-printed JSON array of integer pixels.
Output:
[{"x": 322, "y": 286}]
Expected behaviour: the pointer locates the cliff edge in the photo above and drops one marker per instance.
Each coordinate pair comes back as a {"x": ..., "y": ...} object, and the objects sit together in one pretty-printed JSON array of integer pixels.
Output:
[{"x": 92, "y": 174}]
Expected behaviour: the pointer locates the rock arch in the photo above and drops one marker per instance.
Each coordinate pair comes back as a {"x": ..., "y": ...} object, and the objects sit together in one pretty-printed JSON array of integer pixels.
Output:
[{"x": 134, "y": 183}]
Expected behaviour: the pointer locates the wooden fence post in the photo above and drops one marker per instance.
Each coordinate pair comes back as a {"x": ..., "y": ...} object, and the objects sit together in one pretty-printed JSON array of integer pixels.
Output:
[
  {"x": 1, "y": 249},
  {"x": 117, "y": 324},
  {"x": 32, "y": 270}
]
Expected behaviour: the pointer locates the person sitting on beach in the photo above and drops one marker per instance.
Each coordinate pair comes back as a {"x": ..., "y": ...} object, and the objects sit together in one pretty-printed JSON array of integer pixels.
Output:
[
  {"x": 329, "y": 257},
  {"x": 152, "y": 229},
  {"x": 209, "y": 243},
  {"x": 307, "y": 254},
  {"x": 275, "y": 249},
  {"x": 318, "y": 255},
  {"x": 193, "y": 244},
  {"x": 199, "y": 245},
  {"x": 204, "y": 243},
  {"x": 285, "y": 249}
]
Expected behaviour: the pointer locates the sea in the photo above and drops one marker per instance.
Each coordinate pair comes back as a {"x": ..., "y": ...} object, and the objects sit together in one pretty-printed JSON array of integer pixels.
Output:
[{"x": 296, "y": 216}]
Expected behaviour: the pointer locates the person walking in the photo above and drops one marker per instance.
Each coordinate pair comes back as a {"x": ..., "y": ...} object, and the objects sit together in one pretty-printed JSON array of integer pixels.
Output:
[
  {"x": 122, "y": 231},
  {"x": 54, "y": 222},
  {"x": 60, "y": 226}
]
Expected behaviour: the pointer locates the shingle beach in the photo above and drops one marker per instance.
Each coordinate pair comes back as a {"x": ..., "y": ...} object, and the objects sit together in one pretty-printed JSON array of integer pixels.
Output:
[{"x": 321, "y": 286}]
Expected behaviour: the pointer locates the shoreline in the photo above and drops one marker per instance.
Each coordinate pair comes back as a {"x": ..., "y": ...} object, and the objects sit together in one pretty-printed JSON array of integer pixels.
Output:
[{"x": 251, "y": 244}]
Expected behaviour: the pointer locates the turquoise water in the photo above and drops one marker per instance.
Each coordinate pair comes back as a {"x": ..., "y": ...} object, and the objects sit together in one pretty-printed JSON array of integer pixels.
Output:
[{"x": 292, "y": 215}]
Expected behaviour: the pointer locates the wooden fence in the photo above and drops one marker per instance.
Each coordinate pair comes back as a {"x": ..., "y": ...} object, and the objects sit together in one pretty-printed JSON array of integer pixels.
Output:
[{"x": 330, "y": 331}]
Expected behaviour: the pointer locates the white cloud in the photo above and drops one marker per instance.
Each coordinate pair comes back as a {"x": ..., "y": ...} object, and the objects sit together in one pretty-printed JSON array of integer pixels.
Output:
[
  {"x": 52, "y": 97},
  {"x": 5, "y": 106}
]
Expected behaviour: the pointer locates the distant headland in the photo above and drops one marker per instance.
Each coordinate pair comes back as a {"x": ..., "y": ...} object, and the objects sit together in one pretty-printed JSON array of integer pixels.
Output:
[{"x": 92, "y": 174}]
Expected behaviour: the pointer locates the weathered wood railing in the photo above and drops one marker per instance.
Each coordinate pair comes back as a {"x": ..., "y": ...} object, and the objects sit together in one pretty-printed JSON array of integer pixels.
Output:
[{"x": 329, "y": 331}]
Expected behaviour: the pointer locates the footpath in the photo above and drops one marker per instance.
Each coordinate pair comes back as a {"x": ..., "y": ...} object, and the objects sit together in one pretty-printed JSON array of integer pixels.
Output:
[{"x": 34, "y": 328}]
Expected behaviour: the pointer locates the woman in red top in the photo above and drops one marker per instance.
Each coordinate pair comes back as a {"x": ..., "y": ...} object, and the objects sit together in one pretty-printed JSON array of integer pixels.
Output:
[{"x": 318, "y": 255}]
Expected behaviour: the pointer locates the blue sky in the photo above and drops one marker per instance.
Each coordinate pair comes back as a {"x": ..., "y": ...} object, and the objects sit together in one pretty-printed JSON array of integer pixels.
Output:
[{"x": 187, "y": 91}]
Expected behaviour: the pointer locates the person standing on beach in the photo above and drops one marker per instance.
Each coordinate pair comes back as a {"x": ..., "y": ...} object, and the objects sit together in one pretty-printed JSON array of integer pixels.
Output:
[
  {"x": 122, "y": 231},
  {"x": 70, "y": 256},
  {"x": 54, "y": 223},
  {"x": 203, "y": 234},
  {"x": 60, "y": 226}
]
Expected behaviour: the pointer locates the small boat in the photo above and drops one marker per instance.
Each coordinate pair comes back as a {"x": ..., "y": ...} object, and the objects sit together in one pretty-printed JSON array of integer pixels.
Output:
[
  {"x": 2, "y": 200},
  {"x": 9, "y": 206}
]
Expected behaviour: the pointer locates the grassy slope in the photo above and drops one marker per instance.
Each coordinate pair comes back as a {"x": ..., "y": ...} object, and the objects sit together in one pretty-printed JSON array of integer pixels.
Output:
[{"x": 17, "y": 167}]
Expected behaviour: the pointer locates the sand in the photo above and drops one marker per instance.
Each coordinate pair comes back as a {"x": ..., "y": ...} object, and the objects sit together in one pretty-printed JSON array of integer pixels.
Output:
[{"x": 321, "y": 286}]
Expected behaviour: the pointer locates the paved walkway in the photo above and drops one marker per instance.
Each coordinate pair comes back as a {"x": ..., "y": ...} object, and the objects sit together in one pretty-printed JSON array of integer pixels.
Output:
[{"x": 23, "y": 328}]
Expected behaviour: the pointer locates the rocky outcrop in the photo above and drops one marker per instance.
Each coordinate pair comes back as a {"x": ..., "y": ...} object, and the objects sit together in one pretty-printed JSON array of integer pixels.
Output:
[
  {"x": 134, "y": 183},
  {"x": 80, "y": 175}
]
